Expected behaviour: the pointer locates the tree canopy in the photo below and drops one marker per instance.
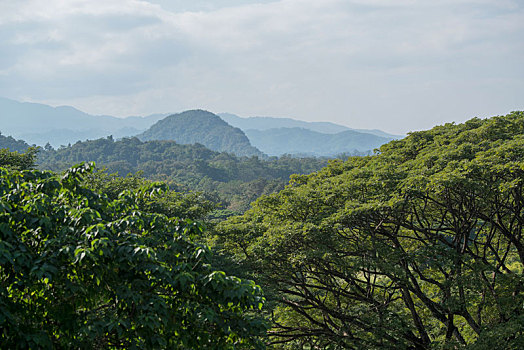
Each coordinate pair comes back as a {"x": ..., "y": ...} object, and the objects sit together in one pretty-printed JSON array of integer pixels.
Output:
[
  {"x": 418, "y": 246},
  {"x": 82, "y": 269},
  {"x": 18, "y": 161},
  {"x": 236, "y": 181},
  {"x": 13, "y": 144}
]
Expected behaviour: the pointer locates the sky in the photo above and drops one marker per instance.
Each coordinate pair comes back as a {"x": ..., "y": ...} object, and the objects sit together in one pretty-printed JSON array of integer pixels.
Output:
[{"x": 394, "y": 65}]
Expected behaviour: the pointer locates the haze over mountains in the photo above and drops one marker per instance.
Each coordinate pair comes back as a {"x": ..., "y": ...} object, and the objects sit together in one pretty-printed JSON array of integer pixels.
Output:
[
  {"x": 267, "y": 123},
  {"x": 39, "y": 124},
  {"x": 278, "y": 136},
  {"x": 304, "y": 142}
]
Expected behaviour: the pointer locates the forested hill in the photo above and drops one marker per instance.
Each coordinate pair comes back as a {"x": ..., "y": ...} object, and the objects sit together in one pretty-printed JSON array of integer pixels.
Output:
[
  {"x": 12, "y": 144},
  {"x": 420, "y": 246},
  {"x": 198, "y": 126},
  {"x": 236, "y": 180}
]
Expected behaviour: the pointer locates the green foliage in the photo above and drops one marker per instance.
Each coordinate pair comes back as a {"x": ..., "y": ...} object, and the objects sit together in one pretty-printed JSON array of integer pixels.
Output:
[
  {"x": 18, "y": 161},
  {"x": 236, "y": 181},
  {"x": 12, "y": 144},
  {"x": 419, "y": 246},
  {"x": 190, "y": 205},
  {"x": 80, "y": 269},
  {"x": 206, "y": 128}
]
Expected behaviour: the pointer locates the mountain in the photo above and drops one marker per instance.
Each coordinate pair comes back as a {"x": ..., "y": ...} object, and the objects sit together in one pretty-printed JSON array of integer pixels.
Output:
[
  {"x": 206, "y": 128},
  {"x": 39, "y": 123},
  {"x": 266, "y": 123},
  {"x": 279, "y": 141}
]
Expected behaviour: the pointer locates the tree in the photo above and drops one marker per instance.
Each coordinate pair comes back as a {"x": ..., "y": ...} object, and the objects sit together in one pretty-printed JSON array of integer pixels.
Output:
[
  {"x": 18, "y": 161},
  {"x": 187, "y": 205},
  {"x": 48, "y": 147},
  {"x": 418, "y": 246},
  {"x": 81, "y": 270},
  {"x": 13, "y": 144}
]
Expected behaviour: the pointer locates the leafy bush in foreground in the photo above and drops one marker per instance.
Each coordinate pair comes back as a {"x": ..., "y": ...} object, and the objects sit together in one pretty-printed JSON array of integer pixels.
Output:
[{"x": 80, "y": 270}]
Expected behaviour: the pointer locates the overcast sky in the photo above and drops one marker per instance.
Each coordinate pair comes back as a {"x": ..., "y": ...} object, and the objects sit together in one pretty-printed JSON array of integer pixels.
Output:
[{"x": 396, "y": 65}]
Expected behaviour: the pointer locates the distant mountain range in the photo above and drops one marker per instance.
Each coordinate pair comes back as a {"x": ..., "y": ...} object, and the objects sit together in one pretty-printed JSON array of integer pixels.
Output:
[
  {"x": 39, "y": 124},
  {"x": 278, "y": 136},
  {"x": 267, "y": 123},
  {"x": 304, "y": 142},
  {"x": 206, "y": 128}
]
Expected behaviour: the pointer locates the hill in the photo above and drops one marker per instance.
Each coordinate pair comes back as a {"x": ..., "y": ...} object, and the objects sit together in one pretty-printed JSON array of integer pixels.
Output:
[
  {"x": 266, "y": 123},
  {"x": 12, "y": 144},
  {"x": 206, "y": 128},
  {"x": 280, "y": 141},
  {"x": 39, "y": 123}
]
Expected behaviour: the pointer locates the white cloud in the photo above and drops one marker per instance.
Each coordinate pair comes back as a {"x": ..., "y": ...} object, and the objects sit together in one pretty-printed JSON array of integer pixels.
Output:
[{"x": 361, "y": 63}]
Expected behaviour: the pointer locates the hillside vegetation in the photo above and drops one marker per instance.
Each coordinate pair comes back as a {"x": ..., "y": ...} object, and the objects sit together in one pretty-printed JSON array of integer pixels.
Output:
[
  {"x": 418, "y": 247},
  {"x": 206, "y": 128},
  {"x": 12, "y": 144},
  {"x": 237, "y": 181}
]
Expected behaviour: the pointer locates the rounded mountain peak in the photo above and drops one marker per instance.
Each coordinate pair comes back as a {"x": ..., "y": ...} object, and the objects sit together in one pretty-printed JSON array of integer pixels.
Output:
[{"x": 200, "y": 126}]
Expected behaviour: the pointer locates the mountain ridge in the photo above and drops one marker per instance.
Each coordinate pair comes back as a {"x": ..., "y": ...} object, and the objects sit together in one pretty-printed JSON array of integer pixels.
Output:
[
  {"x": 36, "y": 122},
  {"x": 40, "y": 124},
  {"x": 266, "y": 123},
  {"x": 300, "y": 141}
]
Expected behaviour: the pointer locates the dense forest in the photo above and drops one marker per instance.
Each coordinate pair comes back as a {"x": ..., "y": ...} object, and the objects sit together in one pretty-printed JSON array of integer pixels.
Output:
[
  {"x": 8, "y": 142},
  {"x": 80, "y": 268},
  {"x": 234, "y": 181},
  {"x": 418, "y": 246}
]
